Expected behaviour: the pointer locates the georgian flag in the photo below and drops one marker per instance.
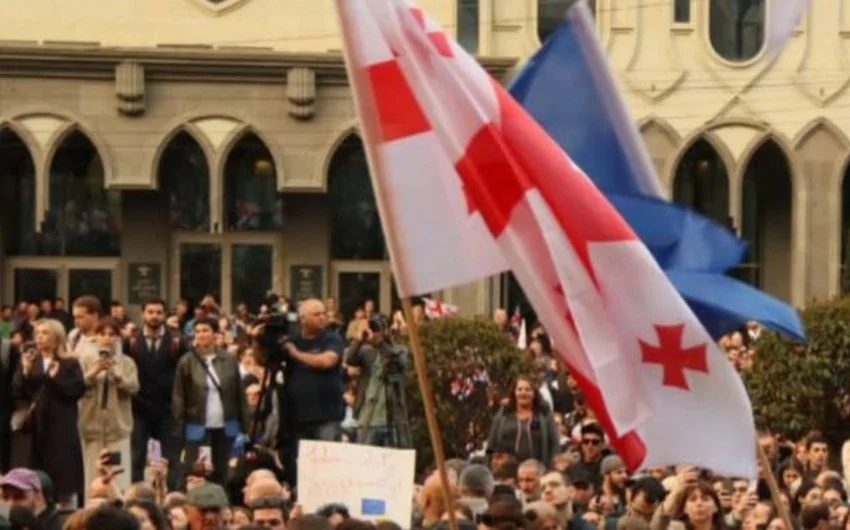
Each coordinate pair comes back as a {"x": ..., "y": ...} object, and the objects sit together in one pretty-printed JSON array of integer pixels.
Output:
[{"x": 468, "y": 184}]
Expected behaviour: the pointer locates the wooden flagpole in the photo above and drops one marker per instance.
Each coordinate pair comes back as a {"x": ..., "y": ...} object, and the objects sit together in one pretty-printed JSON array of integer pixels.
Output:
[
  {"x": 369, "y": 134},
  {"x": 430, "y": 409},
  {"x": 775, "y": 494}
]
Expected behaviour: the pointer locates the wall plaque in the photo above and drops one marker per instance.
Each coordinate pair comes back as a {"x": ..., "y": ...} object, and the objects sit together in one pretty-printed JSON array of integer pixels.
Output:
[
  {"x": 143, "y": 282},
  {"x": 306, "y": 281}
]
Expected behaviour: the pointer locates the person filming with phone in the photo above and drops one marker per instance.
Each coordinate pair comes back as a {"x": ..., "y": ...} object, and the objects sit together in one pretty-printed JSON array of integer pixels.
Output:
[
  {"x": 106, "y": 409},
  {"x": 46, "y": 389}
]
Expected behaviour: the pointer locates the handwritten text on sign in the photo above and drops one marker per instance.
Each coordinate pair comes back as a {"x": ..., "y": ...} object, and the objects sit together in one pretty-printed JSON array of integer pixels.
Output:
[{"x": 373, "y": 482}]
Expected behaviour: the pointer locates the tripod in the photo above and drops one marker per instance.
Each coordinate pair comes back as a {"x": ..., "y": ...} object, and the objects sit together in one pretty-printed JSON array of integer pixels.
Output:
[{"x": 392, "y": 385}]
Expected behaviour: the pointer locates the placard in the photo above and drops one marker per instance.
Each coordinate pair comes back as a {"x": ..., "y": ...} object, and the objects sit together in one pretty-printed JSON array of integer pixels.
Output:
[
  {"x": 375, "y": 483},
  {"x": 143, "y": 282},
  {"x": 306, "y": 281}
]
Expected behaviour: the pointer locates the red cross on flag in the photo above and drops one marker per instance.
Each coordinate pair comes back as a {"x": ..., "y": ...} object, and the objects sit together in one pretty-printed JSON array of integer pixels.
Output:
[{"x": 468, "y": 184}]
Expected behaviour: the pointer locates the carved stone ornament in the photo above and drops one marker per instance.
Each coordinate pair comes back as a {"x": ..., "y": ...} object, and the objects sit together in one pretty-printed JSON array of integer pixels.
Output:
[
  {"x": 218, "y": 7},
  {"x": 301, "y": 92},
  {"x": 130, "y": 88}
]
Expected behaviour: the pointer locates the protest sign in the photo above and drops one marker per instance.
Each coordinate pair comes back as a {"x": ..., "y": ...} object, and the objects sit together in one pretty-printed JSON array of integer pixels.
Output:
[{"x": 375, "y": 483}]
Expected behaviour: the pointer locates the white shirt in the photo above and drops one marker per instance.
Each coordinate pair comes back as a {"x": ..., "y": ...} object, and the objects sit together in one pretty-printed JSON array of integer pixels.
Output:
[{"x": 215, "y": 410}]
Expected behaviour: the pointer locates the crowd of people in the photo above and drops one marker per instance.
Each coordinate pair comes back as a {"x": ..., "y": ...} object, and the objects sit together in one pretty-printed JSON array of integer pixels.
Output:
[{"x": 205, "y": 419}]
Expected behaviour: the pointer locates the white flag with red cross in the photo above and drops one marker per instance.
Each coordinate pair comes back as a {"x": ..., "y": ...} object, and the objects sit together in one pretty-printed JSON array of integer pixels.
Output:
[{"x": 468, "y": 184}]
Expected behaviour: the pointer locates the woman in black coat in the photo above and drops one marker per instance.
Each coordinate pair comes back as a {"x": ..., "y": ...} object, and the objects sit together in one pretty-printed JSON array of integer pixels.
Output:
[
  {"x": 50, "y": 382},
  {"x": 526, "y": 424}
]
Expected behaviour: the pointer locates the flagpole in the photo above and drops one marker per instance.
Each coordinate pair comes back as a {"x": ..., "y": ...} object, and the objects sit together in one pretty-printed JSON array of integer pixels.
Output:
[
  {"x": 775, "y": 494},
  {"x": 368, "y": 132}
]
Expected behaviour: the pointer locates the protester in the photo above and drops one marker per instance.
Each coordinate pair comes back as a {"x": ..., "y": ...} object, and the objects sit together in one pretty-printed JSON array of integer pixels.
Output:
[
  {"x": 106, "y": 416},
  {"x": 51, "y": 383}
]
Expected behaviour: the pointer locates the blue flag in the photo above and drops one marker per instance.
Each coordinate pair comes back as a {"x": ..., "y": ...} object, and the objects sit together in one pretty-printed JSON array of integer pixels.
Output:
[{"x": 567, "y": 86}]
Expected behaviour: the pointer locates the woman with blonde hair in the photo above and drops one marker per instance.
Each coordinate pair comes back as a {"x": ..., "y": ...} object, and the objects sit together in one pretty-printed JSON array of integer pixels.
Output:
[{"x": 50, "y": 382}]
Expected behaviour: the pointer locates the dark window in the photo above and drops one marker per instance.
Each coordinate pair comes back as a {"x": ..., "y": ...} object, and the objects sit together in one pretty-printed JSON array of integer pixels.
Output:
[
  {"x": 737, "y": 28},
  {"x": 251, "y": 198},
  {"x": 467, "y": 25},
  {"x": 355, "y": 226},
  {"x": 83, "y": 218},
  {"x": 702, "y": 182},
  {"x": 682, "y": 10},
  {"x": 17, "y": 195},
  {"x": 550, "y": 14},
  {"x": 184, "y": 176},
  {"x": 766, "y": 223}
]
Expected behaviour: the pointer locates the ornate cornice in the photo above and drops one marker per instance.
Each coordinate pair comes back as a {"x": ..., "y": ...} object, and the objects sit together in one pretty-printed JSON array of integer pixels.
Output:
[{"x": 182, "y": 63}]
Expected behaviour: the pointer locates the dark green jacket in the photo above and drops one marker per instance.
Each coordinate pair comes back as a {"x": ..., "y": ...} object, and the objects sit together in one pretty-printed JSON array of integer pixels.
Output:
[{"x": 189, "y": 398}]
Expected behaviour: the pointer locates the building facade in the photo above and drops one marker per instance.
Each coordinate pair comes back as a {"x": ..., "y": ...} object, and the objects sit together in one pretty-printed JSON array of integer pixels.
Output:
[{"x": 179, "y": 147}]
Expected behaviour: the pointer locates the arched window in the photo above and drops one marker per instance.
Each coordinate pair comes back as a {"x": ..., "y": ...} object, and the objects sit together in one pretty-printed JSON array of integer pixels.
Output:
[
  {"x": 251, "y": 198},
  {"x": 184, "y": 177},
  {"x": 736, "y": 28},
  {"x": 845, "y": 233},
  {"x": 702, "y": 182},
  {"x": 83, "y": 218},
  {"x": 17, "y": 196},
  {"x": 356, "y": 232},
  {"x": 550, "y": 14},
  {"x": 467, "y": 24},
  {"x": 766, "y": 222}
]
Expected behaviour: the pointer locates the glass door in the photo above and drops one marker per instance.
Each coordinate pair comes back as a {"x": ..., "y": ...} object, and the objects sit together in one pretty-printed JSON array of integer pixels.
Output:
[
  {"x": 33, "y": 279},
  {"x": 235, "y": 268},
  {"x": 354, "y": 282}
]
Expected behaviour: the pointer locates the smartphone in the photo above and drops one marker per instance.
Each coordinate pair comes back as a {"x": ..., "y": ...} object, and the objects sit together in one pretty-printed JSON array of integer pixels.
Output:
[
  {"x": 154, "y": 450},
  {"x": 113, "y": 459},
  {"x": 205, "y": 453}
]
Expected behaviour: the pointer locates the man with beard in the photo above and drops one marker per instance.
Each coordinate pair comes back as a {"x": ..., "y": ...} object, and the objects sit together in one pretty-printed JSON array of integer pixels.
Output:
[
  {"x": 614, "y": 478},
  {"x": 156, "y": 350},
  {"x": 22, "y": 489}
]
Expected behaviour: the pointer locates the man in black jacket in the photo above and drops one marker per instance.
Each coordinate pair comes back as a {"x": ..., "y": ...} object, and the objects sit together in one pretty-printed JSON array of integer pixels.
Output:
[
  {"x": 9, "y": 360},
  {"x": 156, "y": 350}
]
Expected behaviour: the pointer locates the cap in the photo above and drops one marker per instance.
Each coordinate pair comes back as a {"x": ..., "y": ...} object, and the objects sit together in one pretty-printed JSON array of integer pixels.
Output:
[
  {"x": 610, "y": 464},
  {"x": 22, "y": 479},
  {"x": 208, "y": 497}
]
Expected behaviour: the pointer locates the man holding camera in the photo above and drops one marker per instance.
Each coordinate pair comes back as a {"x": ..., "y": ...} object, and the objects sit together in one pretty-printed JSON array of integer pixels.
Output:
[
  {"x": 313, "y": 388},
  {"x": 379, "y": 408}
]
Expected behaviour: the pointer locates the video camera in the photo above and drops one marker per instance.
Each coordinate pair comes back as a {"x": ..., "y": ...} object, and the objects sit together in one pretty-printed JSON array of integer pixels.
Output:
[{"x": 279, "y": 327}]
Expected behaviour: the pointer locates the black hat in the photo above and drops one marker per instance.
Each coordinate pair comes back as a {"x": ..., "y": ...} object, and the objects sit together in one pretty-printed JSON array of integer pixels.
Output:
[{"x": 377, "y": 324}]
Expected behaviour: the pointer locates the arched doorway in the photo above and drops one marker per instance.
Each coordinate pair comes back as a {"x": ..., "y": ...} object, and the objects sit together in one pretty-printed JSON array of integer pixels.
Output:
[
  {"x": 359, "y": 267},
  {"x": 702, "y": 182},
  {"x": 766, "y": 219},
  {"x": 78, "y": 248},
  {"x": 241, "y": 261},
  {"x": 184, "y": 178}
]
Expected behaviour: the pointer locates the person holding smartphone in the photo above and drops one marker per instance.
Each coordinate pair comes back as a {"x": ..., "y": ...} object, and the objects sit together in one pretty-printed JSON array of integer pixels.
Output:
[
  {"x": 106, "y": 409},
  {"x": 50, "y": 382}
]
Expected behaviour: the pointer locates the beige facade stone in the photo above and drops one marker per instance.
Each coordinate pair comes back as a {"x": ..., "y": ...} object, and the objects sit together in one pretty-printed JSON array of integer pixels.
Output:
[{"x": 131, "y": 76}]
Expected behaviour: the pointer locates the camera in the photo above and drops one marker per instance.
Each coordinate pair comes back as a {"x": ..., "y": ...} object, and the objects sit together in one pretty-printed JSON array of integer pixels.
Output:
[{"x": 279, "y": 327}]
